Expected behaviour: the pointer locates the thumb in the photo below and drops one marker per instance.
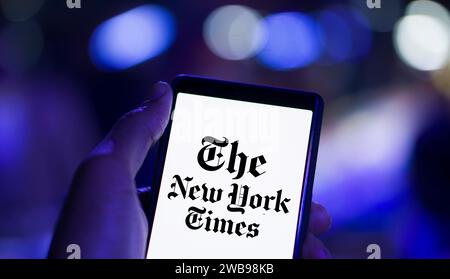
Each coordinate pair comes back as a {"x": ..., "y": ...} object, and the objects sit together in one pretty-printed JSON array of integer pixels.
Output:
[{"x": 134, "y": 134}]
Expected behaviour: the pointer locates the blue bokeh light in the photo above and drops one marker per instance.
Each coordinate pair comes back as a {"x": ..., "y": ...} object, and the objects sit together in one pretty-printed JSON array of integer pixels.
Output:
[
  {"x": 294, "y": 41},
  {"x": 132, "y": 37},
  {"x": 361, "y": 35},
  {"x": 346, "y": 33},
  {"x": 337, "y": 37}
]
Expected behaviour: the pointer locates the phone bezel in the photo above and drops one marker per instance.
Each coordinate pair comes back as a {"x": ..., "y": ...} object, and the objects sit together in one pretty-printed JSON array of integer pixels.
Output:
[{"x": 257, "y": 94}]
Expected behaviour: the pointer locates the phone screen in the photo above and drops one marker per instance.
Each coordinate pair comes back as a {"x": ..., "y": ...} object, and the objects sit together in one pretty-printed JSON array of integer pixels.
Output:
[{"x": 232, "y": 180}]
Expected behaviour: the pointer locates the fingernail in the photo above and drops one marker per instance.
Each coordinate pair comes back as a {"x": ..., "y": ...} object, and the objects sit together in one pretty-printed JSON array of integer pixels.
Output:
[{"x": 159, "y": 89}]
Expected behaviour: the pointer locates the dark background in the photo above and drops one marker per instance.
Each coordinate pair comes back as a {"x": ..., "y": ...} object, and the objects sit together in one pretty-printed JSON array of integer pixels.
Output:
[{"x": 384, "y": 159}]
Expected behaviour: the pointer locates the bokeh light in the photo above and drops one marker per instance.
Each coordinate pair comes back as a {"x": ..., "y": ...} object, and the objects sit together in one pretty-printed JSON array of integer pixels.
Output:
[
  {"x": 441, "y": 80},
  {"x": 422, "y": 42},
  {"x": 361, "y": 34},
  {"x": 13, "y": 128},
  {"x": 346, "y": 34},
  {"x": 132, "y": 37},
  {"x": 430, "y": 8},
  {"x": 294, "y": 40},
  {"x": 337, "y": 36},
  {"x": 364, "y": 154},
  {"x": 234, "y": 32}
]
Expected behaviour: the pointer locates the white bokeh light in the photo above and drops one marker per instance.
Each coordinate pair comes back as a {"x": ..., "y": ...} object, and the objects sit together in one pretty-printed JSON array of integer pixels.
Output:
[
  {"x": 234, "y": 32},
  {"x": 430, "y": 8},
  {"x": 422, "y": 41}
]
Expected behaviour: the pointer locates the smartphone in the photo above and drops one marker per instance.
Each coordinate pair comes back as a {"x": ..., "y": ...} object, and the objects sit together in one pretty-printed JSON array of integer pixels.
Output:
[{"x": 236, "y": 172}]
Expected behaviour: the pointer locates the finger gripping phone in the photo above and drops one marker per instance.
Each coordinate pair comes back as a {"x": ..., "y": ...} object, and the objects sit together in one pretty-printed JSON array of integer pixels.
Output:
[{"x": 237, "y": 167}]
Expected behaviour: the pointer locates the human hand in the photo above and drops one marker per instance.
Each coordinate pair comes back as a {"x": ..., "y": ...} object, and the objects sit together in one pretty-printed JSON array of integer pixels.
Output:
[
  {"x": 103, "y": 214},
  {"x": 319, "y": 222}
]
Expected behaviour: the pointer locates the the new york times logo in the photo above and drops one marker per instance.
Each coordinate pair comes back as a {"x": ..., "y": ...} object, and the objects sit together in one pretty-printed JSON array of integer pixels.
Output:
[
  {"x": 373, "y": 4},
  {"x": 73, "y": 4},
  {"x": 218, "y": 155}
]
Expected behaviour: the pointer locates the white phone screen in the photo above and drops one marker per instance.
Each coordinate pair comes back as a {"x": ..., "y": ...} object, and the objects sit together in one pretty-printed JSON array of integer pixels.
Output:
[{"x": 232, "y": 180}]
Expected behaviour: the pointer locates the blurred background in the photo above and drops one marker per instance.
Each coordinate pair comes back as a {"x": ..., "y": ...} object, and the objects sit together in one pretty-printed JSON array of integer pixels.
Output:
[{"x": 383, "y": 171}]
